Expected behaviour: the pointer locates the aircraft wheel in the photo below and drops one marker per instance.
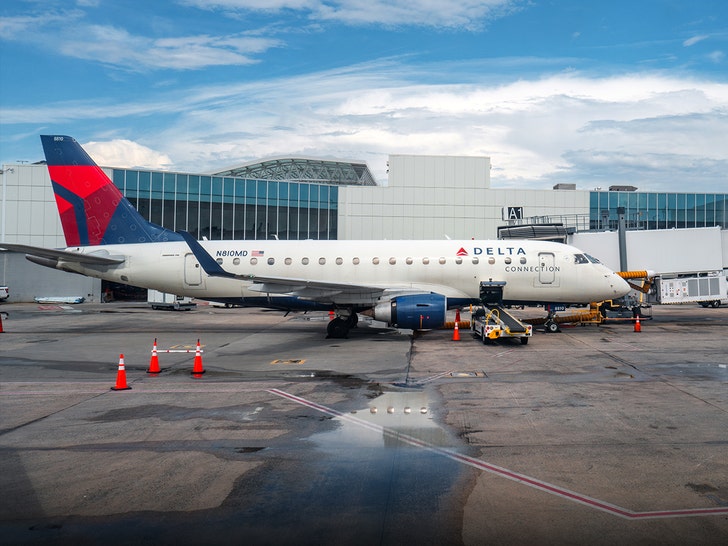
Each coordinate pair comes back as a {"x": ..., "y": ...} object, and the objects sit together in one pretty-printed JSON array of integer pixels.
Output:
[
  {"x": 337, "y": 329},
  {"x": 716, "y": 303},
  {"x": 552, "y": 327}
]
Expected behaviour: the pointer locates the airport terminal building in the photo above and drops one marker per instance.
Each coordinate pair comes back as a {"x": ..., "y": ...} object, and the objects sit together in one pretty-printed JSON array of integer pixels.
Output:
[{"x": 426, "y": 197}]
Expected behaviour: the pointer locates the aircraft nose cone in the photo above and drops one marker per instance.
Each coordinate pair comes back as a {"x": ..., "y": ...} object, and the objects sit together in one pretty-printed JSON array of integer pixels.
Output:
[{"x": 619, "y": 285}]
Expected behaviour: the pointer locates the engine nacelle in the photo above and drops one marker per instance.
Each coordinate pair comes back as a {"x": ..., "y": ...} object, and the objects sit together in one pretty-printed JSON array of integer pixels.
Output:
[{"x": 414, "y": 312}]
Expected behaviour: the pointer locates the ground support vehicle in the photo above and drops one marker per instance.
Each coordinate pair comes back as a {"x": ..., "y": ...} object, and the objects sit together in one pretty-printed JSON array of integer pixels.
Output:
[
  {"x": 495, "y": 322},
  {"x": 707, "y": 289},
  {"x": 170, "y": 302}
]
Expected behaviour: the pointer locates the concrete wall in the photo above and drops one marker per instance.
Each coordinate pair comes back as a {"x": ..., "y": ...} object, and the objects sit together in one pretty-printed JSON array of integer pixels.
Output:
[
  {"x": 29, "y": 214},
  {"x": 435, "y": 197}
]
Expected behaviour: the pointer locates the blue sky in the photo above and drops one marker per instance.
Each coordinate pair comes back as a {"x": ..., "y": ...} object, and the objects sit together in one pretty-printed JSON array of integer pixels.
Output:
[{"x": 592, "y": 93}]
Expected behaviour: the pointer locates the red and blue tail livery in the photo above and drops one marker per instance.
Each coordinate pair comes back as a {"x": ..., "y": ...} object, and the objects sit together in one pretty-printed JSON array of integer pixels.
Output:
[{"x": 92, "y": 209}]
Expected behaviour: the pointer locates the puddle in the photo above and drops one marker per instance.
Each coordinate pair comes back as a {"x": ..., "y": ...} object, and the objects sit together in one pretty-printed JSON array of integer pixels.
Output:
[
  {"x": 386, "y": 417},
  {"x": 368, "y": 460}
]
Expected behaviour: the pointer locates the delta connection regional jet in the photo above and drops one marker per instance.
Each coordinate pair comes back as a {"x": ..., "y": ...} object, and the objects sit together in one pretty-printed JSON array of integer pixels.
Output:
[{"x": 408, "y": 284}]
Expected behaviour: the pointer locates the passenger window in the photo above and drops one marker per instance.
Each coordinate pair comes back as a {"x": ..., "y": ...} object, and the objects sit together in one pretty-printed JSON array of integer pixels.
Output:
[
  {"x": 476, "y": 261},
  {"x": 236, "y": 261},
  {"x": 508, "y": 260},
  {"x": 322, "y": 261},
  {"x": 288, "y": 261},
  {"x": 375, "y": 261},
  {"x": 523, "y": 259},
  {"x": 491, "y": 261},
  {"x": 392, "y": 261},
  {"x": 355, "y": 261},
  {"x": 253, "y": 261},
  {"x": 304, "y": 261},
  {"x": 409, "y": 261},
  {"x": 425, "y": 261},
  {"x": 442, "y": 260},
  {"x": 458, "y": 260},
  {"x": 271, "y": 261},
  {"x": 219, "y": 260},
  {"x": 339, "y": 261}
]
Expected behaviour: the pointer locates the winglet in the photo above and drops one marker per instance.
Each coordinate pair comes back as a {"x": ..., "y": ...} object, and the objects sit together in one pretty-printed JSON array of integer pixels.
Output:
[{"x": 207, "y": 262}]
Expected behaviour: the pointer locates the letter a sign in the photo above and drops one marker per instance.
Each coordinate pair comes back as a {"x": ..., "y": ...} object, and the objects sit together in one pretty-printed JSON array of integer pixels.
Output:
[{"x": 512, "y": 213}]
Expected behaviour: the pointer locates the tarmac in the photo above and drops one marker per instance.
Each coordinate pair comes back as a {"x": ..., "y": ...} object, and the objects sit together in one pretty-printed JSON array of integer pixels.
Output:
[{"x": 598, "y": 434}]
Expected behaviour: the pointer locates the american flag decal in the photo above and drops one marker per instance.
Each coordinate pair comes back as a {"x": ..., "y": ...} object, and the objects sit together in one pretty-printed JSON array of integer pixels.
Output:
[{"x": 257, "y": 253}]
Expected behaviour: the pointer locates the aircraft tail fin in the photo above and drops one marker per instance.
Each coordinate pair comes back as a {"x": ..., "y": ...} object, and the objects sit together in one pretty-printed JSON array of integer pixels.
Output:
[{"x": 92, "y": 209}]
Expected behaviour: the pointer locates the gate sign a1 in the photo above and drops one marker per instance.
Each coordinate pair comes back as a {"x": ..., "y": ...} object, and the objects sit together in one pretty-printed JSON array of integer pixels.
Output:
[{"x": 512, "y": 213}]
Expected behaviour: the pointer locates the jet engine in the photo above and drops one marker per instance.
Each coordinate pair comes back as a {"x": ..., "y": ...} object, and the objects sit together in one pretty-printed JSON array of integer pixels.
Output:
[{"x": 414, "y": 312}]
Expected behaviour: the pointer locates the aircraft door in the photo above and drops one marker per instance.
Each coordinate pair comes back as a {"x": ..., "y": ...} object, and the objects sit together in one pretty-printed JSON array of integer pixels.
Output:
[
  {"x": 193, "y": 271},
  {"x": 547, "y": 268}
]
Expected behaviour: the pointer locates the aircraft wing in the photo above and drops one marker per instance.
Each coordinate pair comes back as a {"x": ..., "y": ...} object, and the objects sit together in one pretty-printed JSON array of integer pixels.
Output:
[
  {"x": 101, "y": 257},
  {"x": 303, "y": 288}
]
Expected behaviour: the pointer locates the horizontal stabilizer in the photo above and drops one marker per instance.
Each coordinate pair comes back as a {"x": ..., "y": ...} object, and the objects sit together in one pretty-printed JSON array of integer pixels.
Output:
[{"x": 98, "y": 258}]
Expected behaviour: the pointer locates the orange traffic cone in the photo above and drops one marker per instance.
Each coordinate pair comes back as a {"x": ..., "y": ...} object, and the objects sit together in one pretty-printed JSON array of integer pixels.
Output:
[
  {"x": 197, "y": 369},
  {"x": 121, "y": 377},
  {"x": 637, "y": 325},
  {"x": 154, "y": 362},
  {"x": 456, "y": 331}
]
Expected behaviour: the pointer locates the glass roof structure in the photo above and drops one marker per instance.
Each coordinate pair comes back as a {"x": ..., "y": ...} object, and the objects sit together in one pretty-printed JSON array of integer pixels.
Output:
[{"x": 304, "y": 169}]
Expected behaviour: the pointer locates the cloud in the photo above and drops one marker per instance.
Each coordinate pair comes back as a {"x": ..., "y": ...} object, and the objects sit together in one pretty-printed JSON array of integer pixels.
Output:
[
  {"x": 694, "y": 40},
  {"x": 470, "y": 14},
  {"x": 643, "y": 129},
  {"x": 536, "y": 130},
  {"x": 716, "y": 56},
  {"x": 117, "y": 47},
  {"x": 25, "y": 27},
  {"x": 68, "y": 34},
  {"x": 126, "y": 154}
]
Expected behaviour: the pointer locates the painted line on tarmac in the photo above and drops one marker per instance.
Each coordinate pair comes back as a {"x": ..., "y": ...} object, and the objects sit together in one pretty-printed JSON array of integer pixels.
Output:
[{"x": 504, "y": 472}]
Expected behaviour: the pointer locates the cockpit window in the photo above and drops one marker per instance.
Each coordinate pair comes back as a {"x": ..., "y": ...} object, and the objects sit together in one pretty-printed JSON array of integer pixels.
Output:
[
  {"x": 592, "y": 259},
  {"x": 580, "y": 259}
]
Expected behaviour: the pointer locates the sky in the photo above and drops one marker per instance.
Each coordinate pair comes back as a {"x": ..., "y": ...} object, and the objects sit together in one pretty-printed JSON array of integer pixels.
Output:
[{"x": 595, "y": 93}]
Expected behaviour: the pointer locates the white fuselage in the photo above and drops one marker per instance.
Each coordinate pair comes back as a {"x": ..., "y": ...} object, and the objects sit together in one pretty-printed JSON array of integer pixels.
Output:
[{"x": 533, "y": 271}]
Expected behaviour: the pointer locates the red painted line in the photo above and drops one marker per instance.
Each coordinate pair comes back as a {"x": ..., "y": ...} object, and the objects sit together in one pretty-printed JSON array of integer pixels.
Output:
[{"x": 505, "y": 473}]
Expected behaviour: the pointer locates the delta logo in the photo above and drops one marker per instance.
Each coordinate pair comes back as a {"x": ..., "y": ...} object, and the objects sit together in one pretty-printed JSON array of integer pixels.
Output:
[{"x": 494, "y": 251}]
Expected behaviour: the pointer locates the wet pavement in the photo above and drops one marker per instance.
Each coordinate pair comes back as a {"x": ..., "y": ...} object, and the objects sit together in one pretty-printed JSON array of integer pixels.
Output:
[{"x": 596, "y": 434}]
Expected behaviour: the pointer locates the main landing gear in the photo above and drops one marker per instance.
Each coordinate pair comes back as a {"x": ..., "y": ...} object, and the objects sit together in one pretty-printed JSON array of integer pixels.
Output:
[{"x": 339, "y": 326}]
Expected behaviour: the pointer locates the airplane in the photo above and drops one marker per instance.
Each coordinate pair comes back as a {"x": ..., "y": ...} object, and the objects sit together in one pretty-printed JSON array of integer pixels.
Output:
[{"x": 408, "y": 284}]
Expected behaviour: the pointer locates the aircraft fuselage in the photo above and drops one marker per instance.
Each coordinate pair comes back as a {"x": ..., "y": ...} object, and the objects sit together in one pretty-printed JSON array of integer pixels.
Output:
[{"x": 533, "y": 271}]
